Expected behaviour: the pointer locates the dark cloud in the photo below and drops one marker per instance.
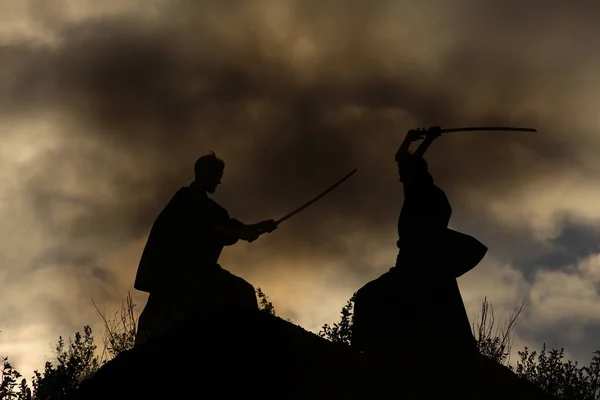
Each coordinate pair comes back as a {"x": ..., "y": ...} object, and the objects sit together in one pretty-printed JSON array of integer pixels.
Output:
[
  {"x": 214, "y": 76},
  {"x": 576, "y": 241}
]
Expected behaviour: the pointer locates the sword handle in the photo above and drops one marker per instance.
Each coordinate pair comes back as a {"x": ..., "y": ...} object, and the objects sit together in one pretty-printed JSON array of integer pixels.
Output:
[
  {"x": 429, "y": 136},
  {"x": 433, "y": 132}
]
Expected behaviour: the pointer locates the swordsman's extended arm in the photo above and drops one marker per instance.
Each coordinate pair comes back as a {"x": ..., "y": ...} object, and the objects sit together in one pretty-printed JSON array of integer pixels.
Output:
[{"x": 235, "y": 230}]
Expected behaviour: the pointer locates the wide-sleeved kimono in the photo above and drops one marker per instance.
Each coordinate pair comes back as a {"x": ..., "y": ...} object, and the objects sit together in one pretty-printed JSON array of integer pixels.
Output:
[
  {"x": 179, "y": 266},
  {"x": 417, "y": 305}
]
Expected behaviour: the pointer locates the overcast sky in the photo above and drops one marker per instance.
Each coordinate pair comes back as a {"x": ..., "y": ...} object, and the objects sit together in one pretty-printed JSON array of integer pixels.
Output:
[{"x": 104, "y": 107}]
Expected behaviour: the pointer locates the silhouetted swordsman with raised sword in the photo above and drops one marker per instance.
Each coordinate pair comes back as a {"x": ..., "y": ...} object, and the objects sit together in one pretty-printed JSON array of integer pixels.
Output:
[
  {"x": 179, "y": 266},
  {"x": 415, "y": 310},
  {"x": 419, "y": 295}
]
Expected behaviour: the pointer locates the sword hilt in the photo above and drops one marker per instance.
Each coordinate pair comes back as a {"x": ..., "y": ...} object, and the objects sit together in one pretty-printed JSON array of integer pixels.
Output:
[{"x": 433, "y": 132}]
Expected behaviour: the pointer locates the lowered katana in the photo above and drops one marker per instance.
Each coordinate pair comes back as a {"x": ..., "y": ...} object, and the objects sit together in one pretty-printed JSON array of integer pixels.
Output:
[{"x": 296, "y": 211}]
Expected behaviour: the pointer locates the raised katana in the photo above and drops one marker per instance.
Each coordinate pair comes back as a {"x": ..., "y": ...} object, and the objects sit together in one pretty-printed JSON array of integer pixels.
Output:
[
  {"x": 296, "y": 211},
  {"x": 437, "y": 130},
  {"x": 429, "y": 134}
]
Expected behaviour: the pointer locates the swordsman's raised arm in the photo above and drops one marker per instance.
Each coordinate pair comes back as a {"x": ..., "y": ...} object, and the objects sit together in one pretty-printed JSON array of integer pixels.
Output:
[
  {"x": 432, "y": 134},
  {"x": 404, "y": 149},
  {"x": 412, "y": 136}
]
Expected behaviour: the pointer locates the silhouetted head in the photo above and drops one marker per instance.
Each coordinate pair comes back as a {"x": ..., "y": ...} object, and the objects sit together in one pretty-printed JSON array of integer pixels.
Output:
[
  {"x": 413, "y": 168},
  {"x": 208, "y": 172}
]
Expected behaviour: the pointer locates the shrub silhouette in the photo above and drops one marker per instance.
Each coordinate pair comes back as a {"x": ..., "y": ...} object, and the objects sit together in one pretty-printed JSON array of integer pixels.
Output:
[
  {"x": 263, "y": 302},
  {"x": 10, "y": 386},
  {"x": 562, "y": 378},
  {"x": 340, "y": 332},
  {"x": 119, "y": 332},
  {"x": 495, "y": 345},
  {"x": 73, "y": 362},
  {"x": 77, "y": 361}
]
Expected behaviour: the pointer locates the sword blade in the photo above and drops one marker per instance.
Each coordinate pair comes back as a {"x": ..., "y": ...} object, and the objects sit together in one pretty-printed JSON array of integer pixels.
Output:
[
  {"x": 296, "y": 211},
  {"x": 487, "y": 128}
]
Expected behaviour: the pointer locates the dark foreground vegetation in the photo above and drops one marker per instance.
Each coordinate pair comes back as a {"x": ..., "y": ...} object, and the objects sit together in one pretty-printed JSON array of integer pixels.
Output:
[{"x": 259, "y": 355}]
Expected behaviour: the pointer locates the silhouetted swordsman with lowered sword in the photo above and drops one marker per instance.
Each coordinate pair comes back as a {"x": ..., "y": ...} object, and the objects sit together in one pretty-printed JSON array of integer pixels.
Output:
[
  {"x": 416, "y": 307},
  {"x": 179, "y": 266}
]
